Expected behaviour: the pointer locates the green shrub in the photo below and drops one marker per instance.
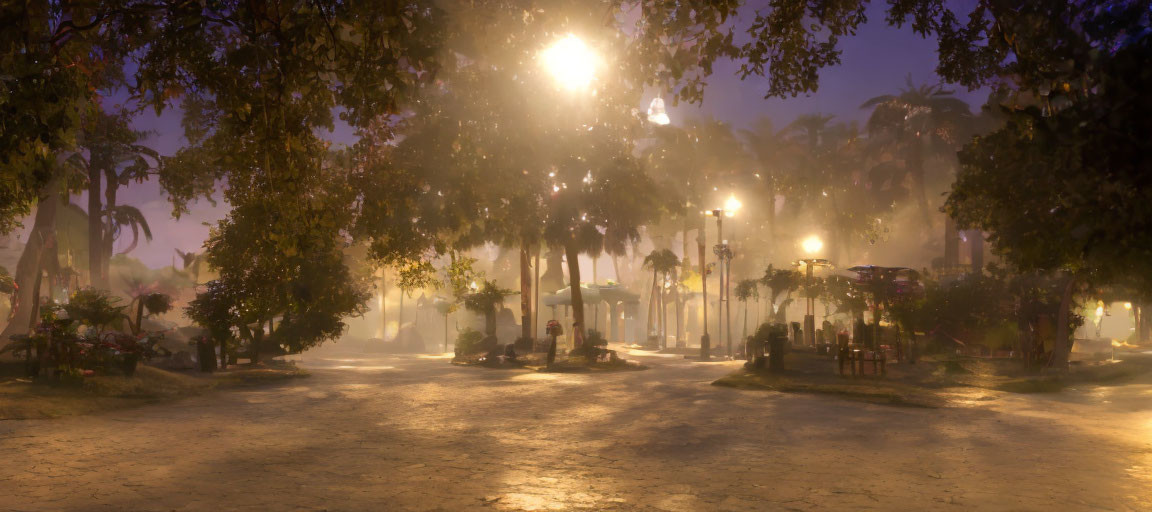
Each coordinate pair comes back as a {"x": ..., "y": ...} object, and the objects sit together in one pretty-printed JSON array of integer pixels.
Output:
[
  {"x": 94, "y": 308},
  {"x": 469, "y": 341},
  {"x": 596, "y": 338}
]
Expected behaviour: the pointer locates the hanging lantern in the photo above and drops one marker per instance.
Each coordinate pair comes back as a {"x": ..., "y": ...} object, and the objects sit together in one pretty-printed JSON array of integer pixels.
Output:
[{"x": 656, "y": 112}]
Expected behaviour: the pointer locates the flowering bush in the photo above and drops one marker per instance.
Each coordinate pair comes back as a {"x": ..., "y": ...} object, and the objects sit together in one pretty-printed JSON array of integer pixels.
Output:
[{"x": 73, "y": 355}]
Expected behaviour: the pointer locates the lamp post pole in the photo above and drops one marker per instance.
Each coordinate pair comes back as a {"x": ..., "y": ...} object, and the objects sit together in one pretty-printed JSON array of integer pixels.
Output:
[
  {"x": 720, "y": 328},
  {"x": 704, "y": 340},
  {"x": 728, "y": 296},
  {"x": 810, "y": 306}
]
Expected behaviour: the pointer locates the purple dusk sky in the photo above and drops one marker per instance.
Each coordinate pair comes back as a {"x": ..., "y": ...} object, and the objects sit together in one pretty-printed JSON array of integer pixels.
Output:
[{"x": 875, "y": 62}]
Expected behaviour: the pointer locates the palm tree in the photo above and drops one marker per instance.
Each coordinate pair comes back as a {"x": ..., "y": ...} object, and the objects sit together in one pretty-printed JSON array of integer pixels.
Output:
[
  {"x": 486, "y": 301},
  {"x": 445, "y": 307},
  {"x": 920, "y": 122},
  {"x": 111, "y": 151},
  {"x": 683, "y": 161},
  {"x": 148, "y": 299},
  {"x": 747, "y": 289},
  {"x": 121, "y": 217},
  {"x": 771, "y": 151},
  {"x": 781, "y": 281},
  {"x": 663, "y": 263},
  {"x": 811, "y": 127}
]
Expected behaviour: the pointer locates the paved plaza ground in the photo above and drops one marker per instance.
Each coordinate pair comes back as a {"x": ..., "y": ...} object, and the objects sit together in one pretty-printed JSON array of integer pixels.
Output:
[{"x": 415, "y": 433}]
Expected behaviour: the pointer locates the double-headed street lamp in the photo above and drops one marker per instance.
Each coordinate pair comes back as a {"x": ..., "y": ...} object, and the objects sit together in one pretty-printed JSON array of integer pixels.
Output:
[
  {"x": 724, "y": 254},
  {"x": 812, "y": 246}
]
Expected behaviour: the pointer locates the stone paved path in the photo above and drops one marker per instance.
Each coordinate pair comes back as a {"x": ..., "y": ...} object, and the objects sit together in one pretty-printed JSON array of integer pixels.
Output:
[{"x": 411, "y": 433}]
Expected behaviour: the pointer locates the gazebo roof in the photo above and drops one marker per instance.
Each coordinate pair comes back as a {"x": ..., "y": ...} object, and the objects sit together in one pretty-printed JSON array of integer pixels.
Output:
[{"x": 591, "y": 293}]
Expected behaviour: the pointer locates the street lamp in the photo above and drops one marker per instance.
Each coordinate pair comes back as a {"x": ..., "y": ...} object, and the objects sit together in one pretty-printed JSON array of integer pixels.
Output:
[
  {"x": 812, "y": 246},
  {"x": 573, "y": 66},
  {"x": 724, "y": 254},
  {"x": 732, "y": 205},
  {"x": 571, "y": 63}
]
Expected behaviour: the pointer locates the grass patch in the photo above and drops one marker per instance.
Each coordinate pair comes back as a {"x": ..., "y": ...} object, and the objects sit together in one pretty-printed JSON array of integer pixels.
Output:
[
  {"x": 25, "y": 399},
  {"x": 1032, "y": 385},
  {"x": 926, "y": 383},
  {"x": 1100, "y": 373},
  {"x": 240, "y": 376},
  {"x": 861, "y": 389}
]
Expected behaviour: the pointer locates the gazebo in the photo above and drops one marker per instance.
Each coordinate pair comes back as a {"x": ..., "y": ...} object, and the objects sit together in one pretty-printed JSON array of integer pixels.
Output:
[{"x": 622, "y": 304}]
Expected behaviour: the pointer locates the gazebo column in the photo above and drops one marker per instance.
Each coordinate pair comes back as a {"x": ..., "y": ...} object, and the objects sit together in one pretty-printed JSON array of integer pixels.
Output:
[{"x": 614, "y": 321}]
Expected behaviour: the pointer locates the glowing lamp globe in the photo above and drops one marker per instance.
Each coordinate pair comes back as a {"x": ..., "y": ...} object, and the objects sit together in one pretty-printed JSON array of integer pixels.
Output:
[
  {"x": 570, "y": 62},
  {"x": 812, "y": 244},
  {"x": 732, "y": 204}
]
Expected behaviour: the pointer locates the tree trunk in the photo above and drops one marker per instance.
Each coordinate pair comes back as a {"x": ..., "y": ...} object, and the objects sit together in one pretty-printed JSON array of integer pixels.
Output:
[
  {"x": 976, "y": 244},
  {"x": 445, "y": 332},
  {"x": 771, "y": 206},
  {"x": 139, "y": 315},
  {"x": 652, "y": 298},
  {"x": 875, "y": 327},
  {"x": 915, "y": 163},
  {"x": 51, "y": 266},
  {"x": 573, "y": 255},
  {"x": 1024, "y": 325},
  {"x": 536, "y": 293},
  {"x": 223, "y": 343},
  {"x": 383, "y": 304},
  {"x": 109, "y": 204},
  {"x": 679, "y": 305},
  {"x": 663, "y": 318},
  {"x": 490, "y": 322},
  {"x": 951, "y": 243},
  {"x": 257, "y": 340},
  {"x": 254, "y": 338},
  {"x": 744, "y": 336},
  {"x": 1062, "y": 345},
  {"x": 26, "y": 303},
  {"x": 95, "y": 227},
  {"x": 525, "y": 292}
]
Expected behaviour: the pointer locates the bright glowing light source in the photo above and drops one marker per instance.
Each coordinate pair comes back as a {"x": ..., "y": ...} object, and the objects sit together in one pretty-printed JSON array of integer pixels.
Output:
[
  {"x": 656, "y": 112},
  {"x": 570, "y": 62},
  {"x": 1127, "y": 305},
  {"x": 812, "y": 244},
  {"x": 732, "y": 204},
  {"x": 474, "y": 286},
  {"x": 1099, "y": 311}
]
